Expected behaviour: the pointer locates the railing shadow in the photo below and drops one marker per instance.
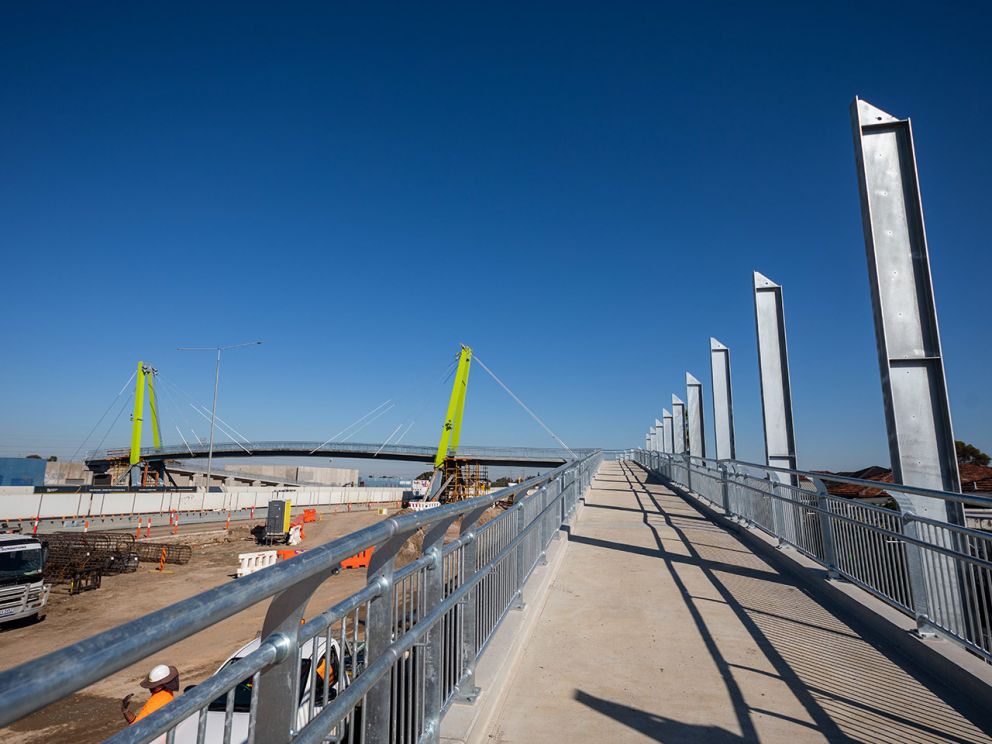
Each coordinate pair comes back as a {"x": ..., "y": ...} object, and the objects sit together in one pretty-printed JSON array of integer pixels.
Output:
[
  {"x": 784, "y": 645},
  {"x": 657, "y": 727}
]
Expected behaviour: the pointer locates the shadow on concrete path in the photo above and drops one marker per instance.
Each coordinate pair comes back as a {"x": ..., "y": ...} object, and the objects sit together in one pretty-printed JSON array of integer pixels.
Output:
[{"x": 657, "y": 727}]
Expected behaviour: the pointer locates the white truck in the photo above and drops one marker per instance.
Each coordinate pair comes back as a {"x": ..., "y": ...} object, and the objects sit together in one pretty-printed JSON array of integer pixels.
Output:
[
  {"x": 23, "y": 591},
  {"x": 310, "y": 704}
]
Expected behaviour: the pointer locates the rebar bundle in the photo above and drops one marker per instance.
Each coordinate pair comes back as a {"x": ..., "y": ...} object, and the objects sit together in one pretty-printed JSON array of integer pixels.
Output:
[
  {"x": 176, "y": 554},
  {"x": 79, "y": 559}
]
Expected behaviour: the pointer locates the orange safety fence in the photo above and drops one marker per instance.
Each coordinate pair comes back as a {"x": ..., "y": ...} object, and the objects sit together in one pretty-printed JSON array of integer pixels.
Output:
[{"x": 361, "y": 560}]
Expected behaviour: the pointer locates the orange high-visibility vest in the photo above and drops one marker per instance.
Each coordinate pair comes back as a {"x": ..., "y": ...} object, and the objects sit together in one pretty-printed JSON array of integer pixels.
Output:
[
  {"x": 156, "y": 701},
  {"x": 322, "y": 667}
]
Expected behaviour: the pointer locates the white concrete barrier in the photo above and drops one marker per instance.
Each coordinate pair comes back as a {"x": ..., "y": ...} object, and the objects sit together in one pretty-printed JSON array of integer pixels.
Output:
[
  {"x": 252, "y": 562},
  {"x": 422, "y": 505},
  {"x": 20, "y": 502}
]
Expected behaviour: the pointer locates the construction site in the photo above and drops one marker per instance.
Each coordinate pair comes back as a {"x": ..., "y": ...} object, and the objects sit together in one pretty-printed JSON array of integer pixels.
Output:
[
  {"x": 211, "y": 559},
  {"x": 98, "y": 576}
]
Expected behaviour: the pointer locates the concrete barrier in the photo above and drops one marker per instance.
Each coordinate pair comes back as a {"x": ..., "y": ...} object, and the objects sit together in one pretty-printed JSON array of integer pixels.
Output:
[
  {"x": 422, "y": 505},
  {"x": 21, "y": 503},
  {"x": 252, "y": 562}
]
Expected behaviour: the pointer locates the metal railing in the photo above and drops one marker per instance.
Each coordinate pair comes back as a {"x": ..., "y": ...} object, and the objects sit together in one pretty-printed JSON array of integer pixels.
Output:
[
  {"x": 382, "y": 665},
  {"x": 937, "y": 572}
]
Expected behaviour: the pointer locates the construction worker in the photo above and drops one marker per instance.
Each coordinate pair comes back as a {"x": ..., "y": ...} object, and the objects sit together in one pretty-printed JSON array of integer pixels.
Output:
[{"x": 163, "y": 682}]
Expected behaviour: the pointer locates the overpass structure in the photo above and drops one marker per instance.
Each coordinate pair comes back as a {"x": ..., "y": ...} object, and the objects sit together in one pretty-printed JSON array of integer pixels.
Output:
[
  {"x": 655, "y": 595},
  {"x": 536, "y": 457}
]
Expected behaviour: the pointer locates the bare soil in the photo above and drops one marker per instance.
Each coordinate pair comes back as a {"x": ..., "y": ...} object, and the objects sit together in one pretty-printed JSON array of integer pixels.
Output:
[{"x": 93, "y": 714}]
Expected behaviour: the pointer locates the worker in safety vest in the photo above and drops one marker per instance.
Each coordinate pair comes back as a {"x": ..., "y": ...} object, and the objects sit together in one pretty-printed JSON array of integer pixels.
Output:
[{"x": 163, "y": 681}]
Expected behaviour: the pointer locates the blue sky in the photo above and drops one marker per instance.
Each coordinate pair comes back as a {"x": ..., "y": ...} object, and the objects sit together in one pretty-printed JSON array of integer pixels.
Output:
[{"x": 579, "y": 191}]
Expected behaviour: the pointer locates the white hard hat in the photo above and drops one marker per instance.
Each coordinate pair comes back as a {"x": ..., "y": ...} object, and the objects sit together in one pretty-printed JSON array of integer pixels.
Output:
[
  {"x": 157, "y": 674},
  {"x": 160, "y": 675}
]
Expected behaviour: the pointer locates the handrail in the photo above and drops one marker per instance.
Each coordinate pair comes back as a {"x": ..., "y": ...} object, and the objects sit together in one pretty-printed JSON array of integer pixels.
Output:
[
  {"x": 936, "y": 571},
  {"x": 880, "y": 485}
]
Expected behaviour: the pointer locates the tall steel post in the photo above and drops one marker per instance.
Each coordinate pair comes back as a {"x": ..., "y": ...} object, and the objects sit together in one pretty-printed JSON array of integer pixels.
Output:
[
  {"x": 668, "y": 432},
  {"x": 723, "y": 401},
  {"x": 656, "y": 436},
  {"x": 694, "y": 410},
  {"x": 678, "y": 425},
  {"x": 776, "y": 387},
  {"x": 914, "y": 389}
]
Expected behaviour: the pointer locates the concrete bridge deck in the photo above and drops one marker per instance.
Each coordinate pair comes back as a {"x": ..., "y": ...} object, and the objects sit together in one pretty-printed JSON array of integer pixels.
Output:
[{"x": 663, "y": 626}]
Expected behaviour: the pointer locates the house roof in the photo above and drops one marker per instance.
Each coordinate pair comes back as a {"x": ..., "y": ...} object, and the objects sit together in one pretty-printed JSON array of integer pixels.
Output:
[{"x": 974, "y": 479}]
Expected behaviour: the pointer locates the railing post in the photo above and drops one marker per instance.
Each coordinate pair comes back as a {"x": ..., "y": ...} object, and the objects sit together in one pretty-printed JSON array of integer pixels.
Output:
[
  {"x": 379, "y": 629},
  {"x": 434, "y": 639},
  {"x": 917, "y": 572},
  {"x": 277, "y": 685},
  {"x": 725, "y": 488},
  {"x": 518, "y": 603},
  {"x": 467, "y": 691},
  {"x": 557, "y": 483},
  {"x": 826, "y": 528},
  {"x": 542, "y": 528},
  {"x": 778, "y": 518},
  {"x": 688, "y": 471}
]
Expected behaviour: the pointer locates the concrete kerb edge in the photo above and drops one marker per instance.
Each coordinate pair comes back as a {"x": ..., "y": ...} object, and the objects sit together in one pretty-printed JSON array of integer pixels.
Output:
[
  {"x": 946, "y": 665},
  {"x": 470, "y": 723}
]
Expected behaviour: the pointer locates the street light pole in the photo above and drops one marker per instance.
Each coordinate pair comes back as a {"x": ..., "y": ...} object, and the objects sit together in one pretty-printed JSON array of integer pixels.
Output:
[{"x": 213, "y": 412}]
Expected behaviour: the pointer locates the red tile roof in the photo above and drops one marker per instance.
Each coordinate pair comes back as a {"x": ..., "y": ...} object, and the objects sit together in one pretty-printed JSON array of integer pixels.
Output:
[{"x": 974, "y": 478}]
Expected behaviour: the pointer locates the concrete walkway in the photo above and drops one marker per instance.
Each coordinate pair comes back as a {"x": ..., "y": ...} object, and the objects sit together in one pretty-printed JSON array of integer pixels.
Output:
[{"x": 662, "y": 626}]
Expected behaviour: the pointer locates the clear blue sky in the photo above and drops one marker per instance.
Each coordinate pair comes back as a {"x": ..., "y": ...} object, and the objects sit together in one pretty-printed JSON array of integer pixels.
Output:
[{"x": 579, "y": 191}]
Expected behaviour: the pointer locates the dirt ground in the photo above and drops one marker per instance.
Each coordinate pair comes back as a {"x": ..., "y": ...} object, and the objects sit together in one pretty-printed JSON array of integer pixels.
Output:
[{"x": 93, "y": 714}]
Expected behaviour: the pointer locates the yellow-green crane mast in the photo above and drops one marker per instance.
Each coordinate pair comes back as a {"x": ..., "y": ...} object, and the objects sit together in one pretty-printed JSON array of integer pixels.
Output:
[
  {"x": 145, "y": 378},
  {"x": 452, "y": 429}
]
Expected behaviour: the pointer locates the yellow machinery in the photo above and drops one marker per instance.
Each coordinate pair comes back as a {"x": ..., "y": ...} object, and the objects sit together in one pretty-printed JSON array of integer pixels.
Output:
[{"x": 456, "y": 478}]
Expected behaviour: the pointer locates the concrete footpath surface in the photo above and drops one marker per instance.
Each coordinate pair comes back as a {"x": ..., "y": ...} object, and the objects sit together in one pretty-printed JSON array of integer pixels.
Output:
[{"x": 662, "y": 626}]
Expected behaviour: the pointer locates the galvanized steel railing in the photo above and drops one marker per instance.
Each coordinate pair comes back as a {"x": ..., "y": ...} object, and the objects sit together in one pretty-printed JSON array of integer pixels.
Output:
[
  {"x": 937, "y": 572},
  {"x": 408, "y": 641}
]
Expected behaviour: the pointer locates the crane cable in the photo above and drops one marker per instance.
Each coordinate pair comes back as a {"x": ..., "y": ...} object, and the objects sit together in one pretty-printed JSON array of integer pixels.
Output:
[
  {"x": 524, "y": 406},
  {"x": 100, "y": 420}
]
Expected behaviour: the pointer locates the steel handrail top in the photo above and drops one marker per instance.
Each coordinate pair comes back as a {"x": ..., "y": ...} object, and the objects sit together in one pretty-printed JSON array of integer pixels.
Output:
[
  {"x": 813, "y": 475},
  {"x": 525, "y": 456}
]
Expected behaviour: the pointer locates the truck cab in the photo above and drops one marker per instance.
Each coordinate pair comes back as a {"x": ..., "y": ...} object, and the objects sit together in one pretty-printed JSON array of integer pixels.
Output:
[{"x": 23, "y": 591}]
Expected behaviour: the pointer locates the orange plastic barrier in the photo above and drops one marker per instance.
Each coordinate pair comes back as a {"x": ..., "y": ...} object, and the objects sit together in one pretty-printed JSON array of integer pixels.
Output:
[
  {"x": 309, "y": 515},
  {"x": 287, "y": 554},
  {"x": 361, "y": 560}
]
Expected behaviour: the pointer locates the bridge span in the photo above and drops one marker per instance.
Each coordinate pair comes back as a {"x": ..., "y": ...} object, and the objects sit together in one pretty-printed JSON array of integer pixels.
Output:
[
  {"x": 538, "y": 457},
  {"x": 665, "y": 624}
]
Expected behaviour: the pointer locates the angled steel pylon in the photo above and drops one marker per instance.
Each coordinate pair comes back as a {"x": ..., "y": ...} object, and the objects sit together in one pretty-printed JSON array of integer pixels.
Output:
[
  {"x": 723, "y": 401},
  {"x": 914, "y": 389},
  {"x": 678, "y": 425},
  {"x": 776, "y": 387},
  {"x": 907, "y": 338},
  {"x": 668, "y": 432},
  {"x": 694, "y": 411}
]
